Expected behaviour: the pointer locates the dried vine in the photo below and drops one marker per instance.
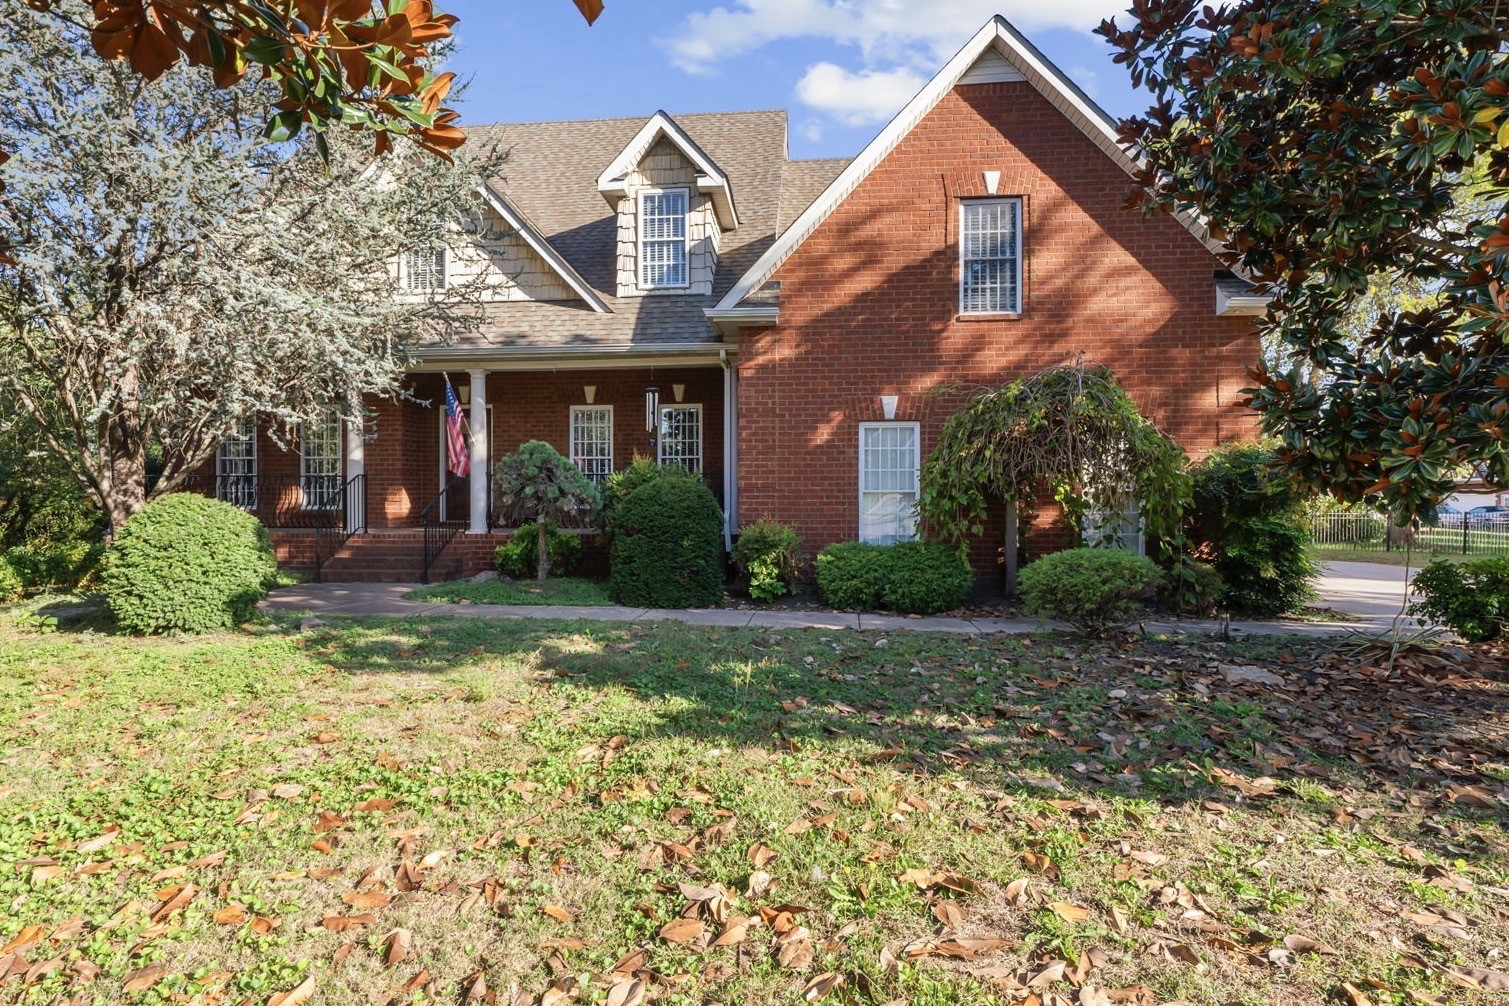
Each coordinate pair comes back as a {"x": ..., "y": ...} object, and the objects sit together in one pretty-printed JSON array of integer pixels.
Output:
[{"x": 1069, "y": 429}]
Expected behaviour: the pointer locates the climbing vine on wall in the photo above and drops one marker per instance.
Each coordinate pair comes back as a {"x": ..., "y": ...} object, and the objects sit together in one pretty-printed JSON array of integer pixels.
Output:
[{"x": 1069, "y": 429}]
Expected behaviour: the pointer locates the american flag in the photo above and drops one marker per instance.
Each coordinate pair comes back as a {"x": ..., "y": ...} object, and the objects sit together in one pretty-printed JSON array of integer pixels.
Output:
[{"x": 457, "y": 458}]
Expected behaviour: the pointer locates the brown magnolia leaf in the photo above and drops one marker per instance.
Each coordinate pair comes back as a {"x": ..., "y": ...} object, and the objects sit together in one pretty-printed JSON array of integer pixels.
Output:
[
  {"x": 1070, "y": 912},
  {"x": 559, "y": 991},
  {"x": 1118, "y": 920},
  {"x": 296, "y": 995},
  {"x": 379, "y": 805},
  {"x": 396, "y": 946},
  {"x": 1039, "y": 863},
  {"x": 288, "y": 790},
  {"x": 176, "y": 899},
  {"x": 262, "y": 925},
  {"x": 795, "y": 955},
  {"x": 798, "y": 826},
  {"x": 25, "y": 939},
  {"x": 475, "y": 991},
  {"x": 1355, "y": 996},
  {"x": 626, "y": 992},
  {"x": 341, "y": 923},
  {"x": 819, "y": 987},
  {"x": 736, "y": 932},
  {"x": 760, "y": 884},
  {"x": 230, "y": 915},
  {"x": 41, "y": 970},
  {"x": 363, "y": 900},
  {"x": 631, "y": 962},
  {"x": 558, "y": 913},
  {"x": 949, "y": 913},
  {"x": 42, "y": 874},
  {"x": 1305, "y": 945},
  {"x": 1149, "y": 858},
  {"x": 760, "y": 855},
  {"x": 1016, "y": 892},
  {"x": 96, "y": 844},
  {"x": 1049, "y": 975},
  {"x": 682, "y": 931},
  {"x": 144, "y": 978}
]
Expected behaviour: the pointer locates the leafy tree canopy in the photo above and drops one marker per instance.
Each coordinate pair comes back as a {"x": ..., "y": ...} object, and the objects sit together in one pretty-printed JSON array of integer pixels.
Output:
[{"x": 1330, "y": 144}]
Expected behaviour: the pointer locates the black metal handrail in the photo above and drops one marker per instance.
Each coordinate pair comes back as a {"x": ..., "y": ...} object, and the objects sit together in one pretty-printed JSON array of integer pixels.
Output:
[
  {"x": 438, "y": 532},
  {"x": 332, "y": 509}
]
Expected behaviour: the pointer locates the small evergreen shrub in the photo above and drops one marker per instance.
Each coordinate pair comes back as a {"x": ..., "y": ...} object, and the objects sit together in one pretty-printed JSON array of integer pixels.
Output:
[
  {"x": 518, "y": 557},
  {"x": 1093, "y": 589},
  {"x": 641, "y": 472},
  {"x": 1471, "y": 598},
  {"x": 186, "y": 564},
  {"x": 11, "y": 585},
  {"x": 766, "y": 557},
  {"x": 1192, "y": 587},
  {"x": 914, "y": 577},
  {"x": 1252, "y": 516},
  {"x": 55, "y": 565},
  {"x": 537, "y": 483},
  {"x": 667, "y": 549}
]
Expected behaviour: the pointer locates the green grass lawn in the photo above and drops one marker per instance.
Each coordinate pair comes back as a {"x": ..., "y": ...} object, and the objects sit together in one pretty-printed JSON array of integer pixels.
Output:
[
  {"x": 560, "y": 590},
  {"x": 1415, "y": 558},
  {"x": 464, "y": 811}
]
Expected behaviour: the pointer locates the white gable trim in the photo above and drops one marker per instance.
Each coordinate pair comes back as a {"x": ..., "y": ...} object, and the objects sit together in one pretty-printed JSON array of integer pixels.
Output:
[
  {"x": 544, "y": 249},
  {"x": 997, "y": 36},
  {"x": 710, "y": 178}
]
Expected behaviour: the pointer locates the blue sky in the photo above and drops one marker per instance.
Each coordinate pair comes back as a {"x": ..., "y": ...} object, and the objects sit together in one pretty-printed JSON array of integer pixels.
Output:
[{"x": 841, "y": 67}]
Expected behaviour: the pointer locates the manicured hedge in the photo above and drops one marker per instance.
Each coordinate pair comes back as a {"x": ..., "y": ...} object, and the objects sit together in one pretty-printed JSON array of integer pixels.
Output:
[
  {"x": 519, "y": 557},
  {"x": 667, "y": 549},
  {"x": 917, "y": 578},
  {"x": 1092, "y": 589},
  {"x": 186, "y": 564}
]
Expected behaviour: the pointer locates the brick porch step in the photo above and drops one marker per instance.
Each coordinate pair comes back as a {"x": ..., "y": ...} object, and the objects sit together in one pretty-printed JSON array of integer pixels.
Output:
[{"x": 388, "y": 556}]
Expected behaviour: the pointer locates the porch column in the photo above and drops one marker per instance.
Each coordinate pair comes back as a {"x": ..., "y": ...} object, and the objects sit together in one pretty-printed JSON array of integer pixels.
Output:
[
  {"x": 481, "y": 464},
  {"x": 356, "y": 464},
  {"x": 730, "y": 449}
]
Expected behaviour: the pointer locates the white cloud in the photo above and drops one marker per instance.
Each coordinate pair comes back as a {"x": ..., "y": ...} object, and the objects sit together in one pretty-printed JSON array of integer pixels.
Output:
[
  {"x": 857, "y": 99},
  {"x": 913, "y": 32}
]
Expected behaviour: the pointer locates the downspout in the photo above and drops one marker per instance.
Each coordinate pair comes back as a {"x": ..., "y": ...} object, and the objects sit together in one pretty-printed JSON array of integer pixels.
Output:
[{"x": 730, "y": 449}]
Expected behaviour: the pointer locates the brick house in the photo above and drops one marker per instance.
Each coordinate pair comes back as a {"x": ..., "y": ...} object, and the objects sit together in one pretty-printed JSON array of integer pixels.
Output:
[{"x": 806, "y": 326}]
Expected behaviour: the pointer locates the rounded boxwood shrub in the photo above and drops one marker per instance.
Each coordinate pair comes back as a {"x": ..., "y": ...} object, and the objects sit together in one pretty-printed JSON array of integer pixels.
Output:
[
  {"x": 1471, "y": 598},
  {"x": 917, "y": 578},
  {"x": 518, "y": 557},
  {"x": 11, "y": 585},
  {"x": 667, "y": 549},
  {"x": 1092, "y": 589},
  {"x": 641, "y": 472},
  {"x": 186, "y": 563},
  {"x": 766, "y": 557}
]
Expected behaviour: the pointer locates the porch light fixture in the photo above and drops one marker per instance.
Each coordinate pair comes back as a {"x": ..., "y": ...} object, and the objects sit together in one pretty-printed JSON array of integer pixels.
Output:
[
  {"x": 680, "y": 392},
  {"x": 463, "y": 395},
  {"x": 888, "y": 406},
  {"x": 589, "y": 391}
]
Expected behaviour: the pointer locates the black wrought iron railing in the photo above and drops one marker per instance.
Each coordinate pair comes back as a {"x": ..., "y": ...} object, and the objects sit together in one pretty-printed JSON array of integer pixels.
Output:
[
  {"x": 333, "y": 509},
  {"x": 440, "y": 525}
]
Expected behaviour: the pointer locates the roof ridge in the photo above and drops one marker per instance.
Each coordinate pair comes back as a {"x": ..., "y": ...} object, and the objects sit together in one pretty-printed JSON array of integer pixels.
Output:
[{"x": 626, "y": 118}]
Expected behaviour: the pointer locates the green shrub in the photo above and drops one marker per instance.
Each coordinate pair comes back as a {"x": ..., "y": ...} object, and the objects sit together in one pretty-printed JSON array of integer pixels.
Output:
[
  {"x": 185, "y": 563},
  {"x": 641, "y": 472},
  {"x": 914, "y": 577},
  {"x": 667, "y": 549},
  {"x": 1471, "y": 598},
  {"x": 518, "y": 557},
  {"x": 536, "y": 483},
  {"x": 1192, "y": 587},
  {"x": 1092, "y": 589},
  {"x": 11, "y": 585},
  {"x": 55, "y": 565},
  {"x": 766, "y": 558},
  {"x": 1252, "y": 517}
]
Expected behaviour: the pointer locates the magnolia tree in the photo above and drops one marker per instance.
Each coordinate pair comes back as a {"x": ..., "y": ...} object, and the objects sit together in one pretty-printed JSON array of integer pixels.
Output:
[
  {"x": 174, "y": 273},
  {"x": 1339, "y": 148}
]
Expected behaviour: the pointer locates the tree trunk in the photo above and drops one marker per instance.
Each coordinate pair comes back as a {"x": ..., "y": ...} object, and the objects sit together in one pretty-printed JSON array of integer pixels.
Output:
[
  {"x": 125, "y": 493},
  {"x": 543, "y": 548}
]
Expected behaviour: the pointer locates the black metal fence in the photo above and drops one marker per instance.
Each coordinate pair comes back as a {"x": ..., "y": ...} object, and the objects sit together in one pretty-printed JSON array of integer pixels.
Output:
[{"x": 1368, "y": 531}]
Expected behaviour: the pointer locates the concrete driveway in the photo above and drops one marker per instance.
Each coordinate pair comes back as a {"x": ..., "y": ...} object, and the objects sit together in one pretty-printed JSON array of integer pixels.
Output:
[{"x": 1370, "y": 590}]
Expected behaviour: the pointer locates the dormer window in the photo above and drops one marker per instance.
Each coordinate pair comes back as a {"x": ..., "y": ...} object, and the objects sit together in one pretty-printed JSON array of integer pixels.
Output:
[
  {"x": 662, "y": 238},
  {"x": 422, "y": 270}
]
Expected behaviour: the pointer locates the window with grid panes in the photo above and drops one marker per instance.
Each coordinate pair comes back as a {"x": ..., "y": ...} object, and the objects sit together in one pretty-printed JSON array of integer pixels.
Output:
[
  {"x": 592, "y": 440},
  {"x": 423, "y": 270},
  {"x": 320, "y": 462},
  {"x": 662, "y": 239},
  {"x": 990, "y": 252},
  {"x": 236, "y": 467},
  {"x": 889, "y": 470},
  {"x": 681, "y": 436}
]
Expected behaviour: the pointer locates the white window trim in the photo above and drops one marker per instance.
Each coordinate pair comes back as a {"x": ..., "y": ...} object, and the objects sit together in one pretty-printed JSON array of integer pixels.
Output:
[
  {"x": 571, "y": 435},
  {"x": 305, "y": 474},
  {"x": 221, "y": 460},
  {"x": 686, "y": 238},
  {"x": 860, "y": 472},
  {"x": 445, "y": 272},
  {"x": 660, "y": 457},
  {"x": 1092, "y": 521},
  {"x": 1021, "y": 225}
]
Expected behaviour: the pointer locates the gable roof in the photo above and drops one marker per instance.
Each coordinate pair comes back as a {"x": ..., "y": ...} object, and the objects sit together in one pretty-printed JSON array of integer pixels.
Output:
[
  {"x": 527, "y": 230},
  {"x": 997, "y": 43},
  {"x": 710, "y": 178}
]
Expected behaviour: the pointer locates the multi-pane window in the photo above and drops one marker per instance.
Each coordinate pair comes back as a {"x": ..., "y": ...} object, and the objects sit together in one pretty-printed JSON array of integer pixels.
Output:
[
  {"x": 320, "y": 462},
  {"x": 1120, "y": 529},
  {"x": 681, "y": 436},
  {"x": 236, "y": 467},
  {"x": 990, "y": 251},
  {"x": 889, "y": 459},
  {"x": 592, "y": 440},
  {"x": 422, "y": 270},
  {"x": 662, "y": 238}
]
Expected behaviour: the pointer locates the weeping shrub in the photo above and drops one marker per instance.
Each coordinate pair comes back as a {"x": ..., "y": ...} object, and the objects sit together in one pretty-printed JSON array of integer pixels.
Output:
[{"x": 186, "y": 564}]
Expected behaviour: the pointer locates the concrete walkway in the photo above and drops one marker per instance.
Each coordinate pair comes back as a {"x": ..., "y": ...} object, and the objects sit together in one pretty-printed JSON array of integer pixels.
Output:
[{"x": 1365, "y": 590}]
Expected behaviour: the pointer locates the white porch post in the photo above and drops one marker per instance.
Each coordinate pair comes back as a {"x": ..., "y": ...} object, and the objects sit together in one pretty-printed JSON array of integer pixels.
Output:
[
  {"x": 356, "y": 464},
  {"x": 730, "y": 449},
  {"x": 481, "y": 463}
]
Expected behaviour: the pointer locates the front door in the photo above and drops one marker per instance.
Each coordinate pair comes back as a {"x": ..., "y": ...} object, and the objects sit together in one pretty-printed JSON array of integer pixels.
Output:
[{"x": 457, "y": 503}]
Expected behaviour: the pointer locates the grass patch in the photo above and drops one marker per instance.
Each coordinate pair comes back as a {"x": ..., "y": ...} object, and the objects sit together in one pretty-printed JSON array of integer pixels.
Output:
[
  {"x": 389, "y": 809},
  {"x": 560, "y": 590},
  {"x": 1417, "y": 558}
]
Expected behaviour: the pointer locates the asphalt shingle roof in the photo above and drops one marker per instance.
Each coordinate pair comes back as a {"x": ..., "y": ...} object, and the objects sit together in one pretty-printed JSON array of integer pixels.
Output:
[{"x": 551, "y": 177}]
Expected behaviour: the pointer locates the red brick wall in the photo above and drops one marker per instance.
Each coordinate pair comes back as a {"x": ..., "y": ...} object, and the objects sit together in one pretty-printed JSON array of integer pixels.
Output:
[{"x": 869, "y": 307}]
